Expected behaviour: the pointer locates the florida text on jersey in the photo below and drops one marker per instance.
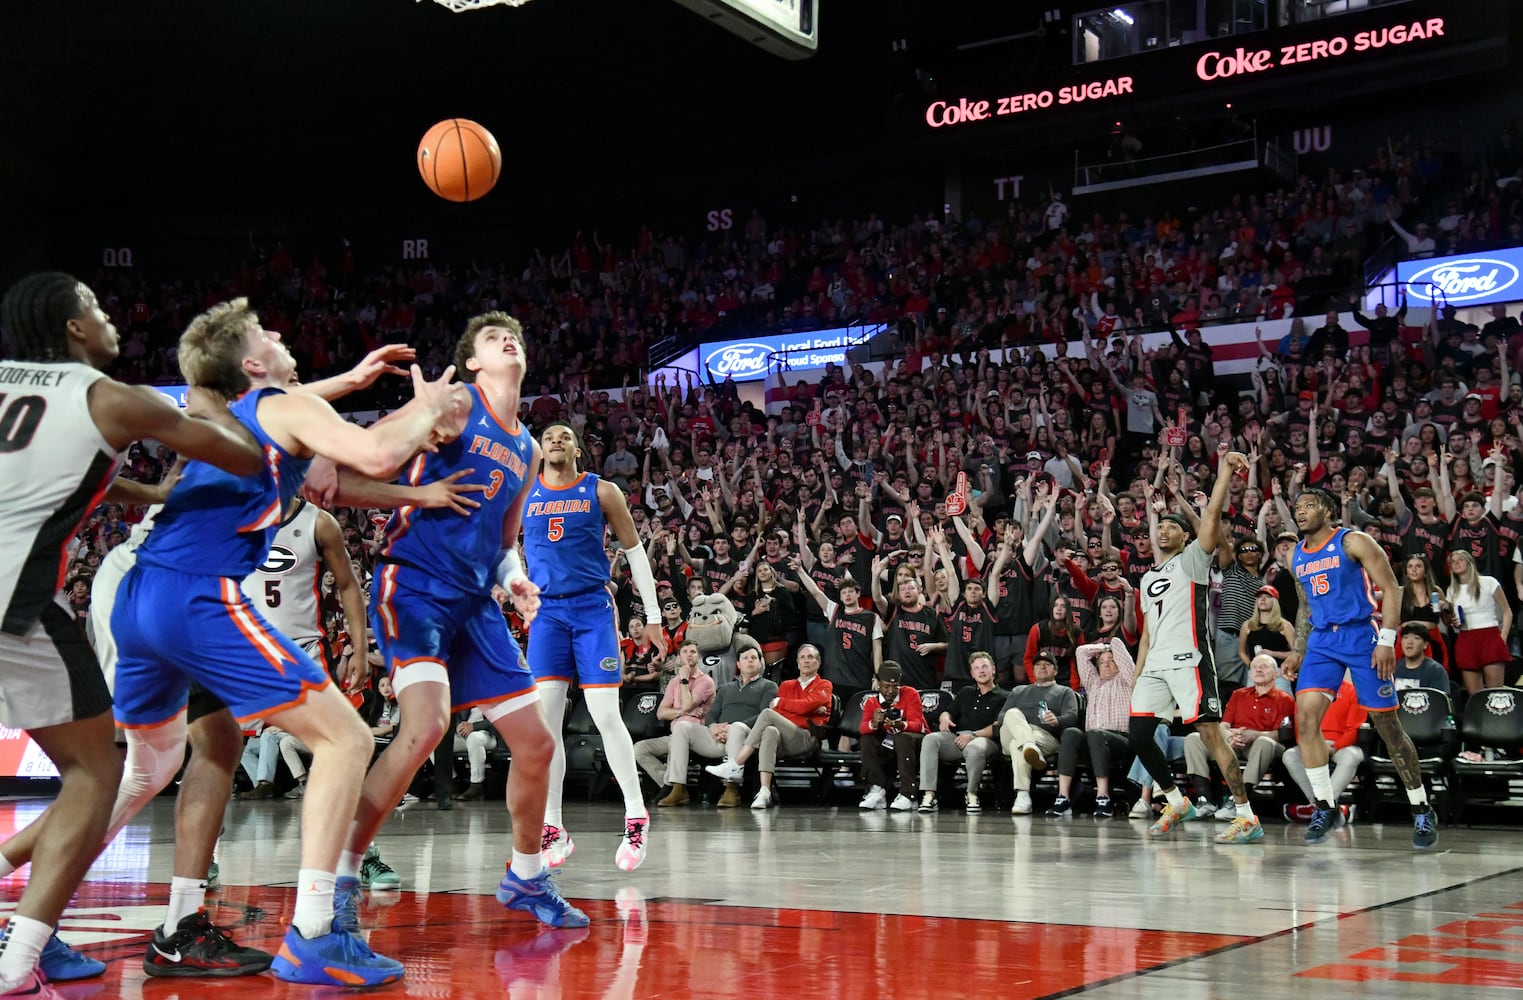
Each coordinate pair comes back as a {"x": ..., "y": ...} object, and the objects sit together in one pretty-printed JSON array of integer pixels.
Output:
[
  {"x": 563, "y": 537},
  {"x": 459, "y": 553}
]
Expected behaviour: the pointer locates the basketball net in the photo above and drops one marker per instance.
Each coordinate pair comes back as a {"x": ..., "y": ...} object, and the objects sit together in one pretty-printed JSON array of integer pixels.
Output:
[{"x": 460, "y": 6}]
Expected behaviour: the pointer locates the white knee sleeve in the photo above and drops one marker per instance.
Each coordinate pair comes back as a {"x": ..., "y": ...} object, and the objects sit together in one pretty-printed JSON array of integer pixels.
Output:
[
  {"x": 552, "y": 705},
  {"x": 154, "y": 757},
  {"x": 603, "y": 705}
]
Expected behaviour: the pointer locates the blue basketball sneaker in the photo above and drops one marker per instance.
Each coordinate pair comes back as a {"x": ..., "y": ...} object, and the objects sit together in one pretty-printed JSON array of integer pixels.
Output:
[
  {"x": 1424, "y": 830},
  {"x": 62, "y": 964},
  {"x": 346, "y": 904},
  {"x": 338, "y": 958},
  {"x": 1323, "y": 823},
  {"x": 539, "y": 896}
]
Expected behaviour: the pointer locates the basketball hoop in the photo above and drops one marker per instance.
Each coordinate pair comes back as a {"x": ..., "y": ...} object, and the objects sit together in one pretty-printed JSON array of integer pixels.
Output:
[{"x": 461, "y": 6}]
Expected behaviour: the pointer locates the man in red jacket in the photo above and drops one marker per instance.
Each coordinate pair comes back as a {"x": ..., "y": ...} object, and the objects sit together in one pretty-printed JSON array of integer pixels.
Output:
[
  {"x": 787, "y": 727},
  {"x": 893, "y": 724},
  {"x": 1252, "y": 723}
]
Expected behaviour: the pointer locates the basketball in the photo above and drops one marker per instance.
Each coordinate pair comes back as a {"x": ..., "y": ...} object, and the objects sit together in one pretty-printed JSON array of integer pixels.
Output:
[{"x": 459, "y": 160}]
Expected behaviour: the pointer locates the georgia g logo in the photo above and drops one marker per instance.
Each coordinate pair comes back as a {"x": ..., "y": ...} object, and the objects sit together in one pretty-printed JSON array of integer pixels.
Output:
[
  {"x": 1159, "y": 587},
  {"x": 279, "y": 562}
]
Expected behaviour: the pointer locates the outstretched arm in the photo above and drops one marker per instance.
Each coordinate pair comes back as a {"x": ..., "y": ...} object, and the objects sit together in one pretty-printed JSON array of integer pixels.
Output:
[
  {"x": 355, "y": 490},
  {"x": 975, "y": 550},
  {"x": 205, "y": 430},
  {"x": 810, "y": 587},
  {"x": 1211, "y": 519},
  {"x": 302, "y": 422},
  {"x": 381, "y": 361}
]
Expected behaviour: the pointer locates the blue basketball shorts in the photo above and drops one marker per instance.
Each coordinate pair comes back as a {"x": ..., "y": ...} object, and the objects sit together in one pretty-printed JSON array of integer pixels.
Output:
[
  {"x": 172, "y": 628},
  {"x": 1332, "y": 649},
  {"x": 417, "y": 622},
  {"x": 577, "y": 638}
]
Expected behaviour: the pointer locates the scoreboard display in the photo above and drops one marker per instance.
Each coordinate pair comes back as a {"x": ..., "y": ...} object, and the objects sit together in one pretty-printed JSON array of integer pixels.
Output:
[{"x": 785, "y": 28}]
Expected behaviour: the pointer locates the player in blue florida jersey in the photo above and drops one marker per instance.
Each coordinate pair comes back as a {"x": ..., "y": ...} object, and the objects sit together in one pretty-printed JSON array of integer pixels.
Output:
[
  {"x": 576, "y": 635},
  {"x": 213, "y": 531},
  {"x": 1333, "y": 569},
  {"x": 65, "y": 424},
  {"x": 441, "y": 634},
  {"x": 215, "y": 737}
]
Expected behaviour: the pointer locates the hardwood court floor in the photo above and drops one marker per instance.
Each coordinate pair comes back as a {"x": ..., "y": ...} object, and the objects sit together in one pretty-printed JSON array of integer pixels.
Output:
[{"x": 802, "y": 903}]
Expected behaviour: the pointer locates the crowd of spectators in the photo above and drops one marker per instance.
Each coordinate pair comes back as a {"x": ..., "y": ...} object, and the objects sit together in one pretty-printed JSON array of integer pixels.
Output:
[
  {"x": 592, "y": 309},
  {"x": 980, "y": 495}
]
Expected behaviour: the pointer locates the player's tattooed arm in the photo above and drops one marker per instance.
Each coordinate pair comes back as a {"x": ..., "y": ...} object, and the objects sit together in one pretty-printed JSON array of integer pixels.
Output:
[{"x": 1292, "y": 664}]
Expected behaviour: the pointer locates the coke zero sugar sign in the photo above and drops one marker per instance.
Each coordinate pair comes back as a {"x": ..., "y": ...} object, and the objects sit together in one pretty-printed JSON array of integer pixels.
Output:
[
  {"x": 1466, "y": 280},
  {"x": 1222, "y": 65},
  {"x": 1262, "y": 58}
]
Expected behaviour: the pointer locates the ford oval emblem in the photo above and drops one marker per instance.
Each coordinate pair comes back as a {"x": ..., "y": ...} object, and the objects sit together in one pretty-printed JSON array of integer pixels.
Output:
[
  {"x": 742, "y": 361},
  {"x": 1464, "y": 279}
]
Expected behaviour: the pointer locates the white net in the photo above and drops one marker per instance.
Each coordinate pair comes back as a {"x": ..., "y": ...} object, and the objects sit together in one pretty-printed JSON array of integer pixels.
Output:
[{"x": 460, "y": 6}]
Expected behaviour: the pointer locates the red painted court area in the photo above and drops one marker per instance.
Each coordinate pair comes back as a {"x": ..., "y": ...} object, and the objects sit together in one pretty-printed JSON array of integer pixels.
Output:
[
  {"x": 1485, "y": 949},
  {"x": 457, "y": 945}
]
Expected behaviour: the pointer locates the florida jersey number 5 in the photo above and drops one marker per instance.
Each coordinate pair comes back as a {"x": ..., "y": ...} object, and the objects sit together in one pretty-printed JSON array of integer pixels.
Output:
[{"x": 555, "y": 528}]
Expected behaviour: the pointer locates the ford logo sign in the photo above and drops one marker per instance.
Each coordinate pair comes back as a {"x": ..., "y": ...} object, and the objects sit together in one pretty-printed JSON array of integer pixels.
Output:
[
  {"x": 740, "y": 360},
  {"x": 1466, "y": 279}
]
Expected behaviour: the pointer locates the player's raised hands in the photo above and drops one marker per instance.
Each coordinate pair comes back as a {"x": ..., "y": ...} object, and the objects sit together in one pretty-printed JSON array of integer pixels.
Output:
[
  {"x": 381, "y": 361},
  {"x": 451, "y": 492},
  {"x": 449, "y": 402}
]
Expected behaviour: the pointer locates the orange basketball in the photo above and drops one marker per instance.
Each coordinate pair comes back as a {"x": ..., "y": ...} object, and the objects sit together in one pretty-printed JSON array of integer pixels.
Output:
[{"x": 459, "y": 160}]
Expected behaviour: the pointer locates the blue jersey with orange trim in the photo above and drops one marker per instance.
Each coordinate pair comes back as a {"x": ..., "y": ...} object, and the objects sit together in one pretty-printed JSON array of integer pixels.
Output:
[
  {"x": 460, "y": 553},
  {"x": 218, "y": 524},
  {"x": 1337, "y": 588},
  {"x": 563, "y": 537}
]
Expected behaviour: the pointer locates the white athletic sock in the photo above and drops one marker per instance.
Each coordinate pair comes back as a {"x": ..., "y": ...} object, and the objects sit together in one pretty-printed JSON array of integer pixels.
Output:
[
  {"x": 314, "y": 903},
  {"x": 348, "y": 861},
  {"x": 1417, "y": 796},
  {"x": 1243, "y": 810},
  {"x": 23, "y": 943},
  {"x": 1321, "y": 785},
  {"x": 528, "y": 866},
  {"x": 5, "y": 866},
  {"x": 618, "y": 748},
  {"x": 349, "y": 864},
  {"x": 186, "y": 896},
  {"x": 1176, "y": 797},
  {"x": 552, "y": 703}
]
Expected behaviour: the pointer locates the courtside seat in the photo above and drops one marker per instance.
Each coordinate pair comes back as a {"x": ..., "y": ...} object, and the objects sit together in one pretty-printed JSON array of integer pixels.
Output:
[
  {"x": 1425, "y": 715},
  {"x": 1492, "y": 727},
  {"x": 831, "y": 759}
]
